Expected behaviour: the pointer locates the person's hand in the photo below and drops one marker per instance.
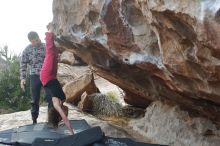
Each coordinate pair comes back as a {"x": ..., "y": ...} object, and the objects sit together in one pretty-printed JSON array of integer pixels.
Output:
[{"x": 22, "y": 84}]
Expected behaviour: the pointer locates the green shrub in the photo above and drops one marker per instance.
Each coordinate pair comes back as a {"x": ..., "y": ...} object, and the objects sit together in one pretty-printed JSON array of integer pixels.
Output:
[{"x": 12, "y": 98}]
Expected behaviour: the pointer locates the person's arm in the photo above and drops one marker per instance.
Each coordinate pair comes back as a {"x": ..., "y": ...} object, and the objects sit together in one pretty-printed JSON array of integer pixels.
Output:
[
  {"x": 23, "y": 67},
  {"x": 57, "y": 106},
  {"x": 50, "y": 47},
  {"x": 23, "y": 64}
]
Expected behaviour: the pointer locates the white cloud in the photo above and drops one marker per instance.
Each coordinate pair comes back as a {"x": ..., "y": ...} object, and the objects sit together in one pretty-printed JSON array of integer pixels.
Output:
[{"x": 20, "y": 17}]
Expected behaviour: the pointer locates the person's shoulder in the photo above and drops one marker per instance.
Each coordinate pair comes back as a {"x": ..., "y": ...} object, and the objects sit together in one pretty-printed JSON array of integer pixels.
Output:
[
  {"x": 27, "y": 48},
  {"x": 42, "y": 45}
]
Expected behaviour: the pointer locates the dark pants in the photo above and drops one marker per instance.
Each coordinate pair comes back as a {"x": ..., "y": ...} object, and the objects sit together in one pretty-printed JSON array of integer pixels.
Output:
[
  {"x": 35, "y": 93},
  {"x": 55, "y": 89}
]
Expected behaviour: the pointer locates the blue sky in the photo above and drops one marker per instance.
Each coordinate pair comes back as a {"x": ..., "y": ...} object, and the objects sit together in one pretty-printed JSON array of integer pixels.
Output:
[{"x": 18, "y": 17}]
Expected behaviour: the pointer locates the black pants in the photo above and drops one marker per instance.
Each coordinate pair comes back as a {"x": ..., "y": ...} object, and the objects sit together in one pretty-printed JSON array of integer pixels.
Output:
[{"x": 35, "y": 93}]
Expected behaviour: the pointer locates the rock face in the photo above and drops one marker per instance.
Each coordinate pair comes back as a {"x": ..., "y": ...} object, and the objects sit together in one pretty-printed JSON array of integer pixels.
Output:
[
  {"x": 152, "y": 49},
  {"x": 67, "y": 58},
  {"x": 74, "y": 89},
  {"x": 169, "y": 125},
  {"x": 65, "y": 73}
]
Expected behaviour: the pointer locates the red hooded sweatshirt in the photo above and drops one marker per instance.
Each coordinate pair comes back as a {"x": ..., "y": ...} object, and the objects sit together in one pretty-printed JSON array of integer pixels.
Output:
[{"x": 49, "y": 68}]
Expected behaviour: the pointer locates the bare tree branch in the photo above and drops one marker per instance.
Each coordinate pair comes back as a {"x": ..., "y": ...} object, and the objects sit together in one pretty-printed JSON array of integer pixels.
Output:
[{"x": 4, "y": 53}]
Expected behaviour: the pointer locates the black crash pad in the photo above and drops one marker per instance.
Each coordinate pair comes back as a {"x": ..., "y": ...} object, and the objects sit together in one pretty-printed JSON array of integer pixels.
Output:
[
  {"x": 28, "y": 133},
  {"x": 42, "y": 135},
  {"x": 84, "y": 138}
]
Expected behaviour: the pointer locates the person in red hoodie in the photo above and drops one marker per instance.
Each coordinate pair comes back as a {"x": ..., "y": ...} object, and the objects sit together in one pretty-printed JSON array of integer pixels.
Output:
[{"x": 48, "y": 78}]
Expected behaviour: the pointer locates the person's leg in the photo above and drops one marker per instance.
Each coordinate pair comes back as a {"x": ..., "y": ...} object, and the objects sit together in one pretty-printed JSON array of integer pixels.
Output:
[
  {"x": 58, "y": 97},
  {"x": 65, "y": 110},
  {"x": 35, "y": 93},
  {"x": 48, "y": 97},
  {"x": 57, "y": 103}
]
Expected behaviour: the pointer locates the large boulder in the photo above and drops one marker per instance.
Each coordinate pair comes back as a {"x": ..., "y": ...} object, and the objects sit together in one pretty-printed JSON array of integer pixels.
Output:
[
  {"x": 65, "y": 73},
  {"x": 169, "y": 125},
  {"x": 67, "y": 58},
  {"x": 153, "y": 49},
  {"x": 74, "y": 89}
]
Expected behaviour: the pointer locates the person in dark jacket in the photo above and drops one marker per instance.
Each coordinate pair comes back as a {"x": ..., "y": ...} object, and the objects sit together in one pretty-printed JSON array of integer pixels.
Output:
[{"x": 33, "y": 56}]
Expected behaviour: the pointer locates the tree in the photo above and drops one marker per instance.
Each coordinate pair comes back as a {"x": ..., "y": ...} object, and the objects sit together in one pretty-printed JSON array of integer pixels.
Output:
[{"x": 11, "y": 95}]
